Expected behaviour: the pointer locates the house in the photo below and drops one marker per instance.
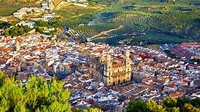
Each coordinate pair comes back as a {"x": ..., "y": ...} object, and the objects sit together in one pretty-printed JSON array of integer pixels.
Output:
[
  {"x": 71, "y": 0},
  {"x": 195, "y": 95},
  {"x": 39, "y": 71},
  {"x": 3, "y": 19},
  {"x": 21, "y": 12},
  {"x": 148, "y": 81},
  {"x": 15, "y": 66},
  {"x": 195, "y": 83},
  {"x": 44, "y": 6},
  {"x": 23, "y": 76},
  {"x": 81, "y": 5},
  {"x": 62, "y": 68},
  {"x": 176, "y": 94},
  {"x": 48, "y": 17},
  {"x": 171, "y": 87},
  {"x": 30, "y": 24},
  {"x": 51, "y": 6}
]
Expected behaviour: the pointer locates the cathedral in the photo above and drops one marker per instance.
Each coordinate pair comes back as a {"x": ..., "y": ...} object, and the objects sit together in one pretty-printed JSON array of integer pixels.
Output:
[{"x": 110, "y": 70}]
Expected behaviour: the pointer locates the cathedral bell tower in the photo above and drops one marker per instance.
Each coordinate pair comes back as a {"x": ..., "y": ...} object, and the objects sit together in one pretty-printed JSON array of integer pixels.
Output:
[
  {"x": 127, "y": 54},
  {"x": 108, "y": 66},
  {"x": 17, "y": 46},
  {"x": 127, "y": 61},
  {"x": 107, "y": 70}
]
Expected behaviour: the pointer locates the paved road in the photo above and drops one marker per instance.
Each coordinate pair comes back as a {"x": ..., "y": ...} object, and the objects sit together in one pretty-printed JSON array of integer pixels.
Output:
[
  {"x": 62, "y": 35},
  {"x": 64, "y": 29}
]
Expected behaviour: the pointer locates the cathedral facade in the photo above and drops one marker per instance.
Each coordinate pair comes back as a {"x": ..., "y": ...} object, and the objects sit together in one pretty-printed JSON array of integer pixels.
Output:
[{"x": 110, "y": 70}]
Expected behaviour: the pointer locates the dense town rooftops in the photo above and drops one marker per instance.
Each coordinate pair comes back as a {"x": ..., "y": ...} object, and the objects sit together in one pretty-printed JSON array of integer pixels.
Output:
[{"x": 156, "y": 74}]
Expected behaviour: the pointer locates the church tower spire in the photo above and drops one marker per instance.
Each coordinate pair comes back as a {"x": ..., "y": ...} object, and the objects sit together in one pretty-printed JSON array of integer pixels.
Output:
[
  {"x": 127, "y": 56},
  {"x": 108, "y": 62},
  {"x": 17, "y": 46},
  {"x": 128, "y": 61}
]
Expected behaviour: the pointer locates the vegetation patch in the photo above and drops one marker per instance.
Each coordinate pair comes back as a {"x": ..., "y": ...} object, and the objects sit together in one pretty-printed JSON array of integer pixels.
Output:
[
  {"x": 169, "y": 105},
  {"x": 7, "y": 9}
]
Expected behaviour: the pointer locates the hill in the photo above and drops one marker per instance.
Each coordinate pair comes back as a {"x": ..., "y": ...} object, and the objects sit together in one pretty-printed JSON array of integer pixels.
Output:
[
  {"x": 8, "y": 7},
  {"x": 145, "y": 21},
  {"x": 150, "y": 22}
]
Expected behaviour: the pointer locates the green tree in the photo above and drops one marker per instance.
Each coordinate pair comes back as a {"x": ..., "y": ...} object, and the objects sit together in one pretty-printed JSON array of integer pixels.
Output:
[
  {"x": 190, "y": 108},
  {"x": 41, "y": 23},
  {"x": 170, "y": 102},
  {"x": 4, "y": 25},
  {"x": 169, "y": 105},
  {"x": 181, "y": 102},
  {"x": 6, "y": 33},
  {"x": 171, "y": 1},
  {"x": 137, "y": 106},
  {"x": 93, "y": 110},
  {"x": 21, "y": 31},
  {"x": 37, "y": 95},
  {"x": 196, "y": 102},
  {"x": 175, "y": 109},
  {"x": 53, "y": 23},
  {"x": 154, "y": 107},
  {"x": 26, "y": 29}
]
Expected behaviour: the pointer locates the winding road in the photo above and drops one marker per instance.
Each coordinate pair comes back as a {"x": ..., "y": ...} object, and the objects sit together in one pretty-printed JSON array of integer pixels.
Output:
[{"x": 62, "y": 35}]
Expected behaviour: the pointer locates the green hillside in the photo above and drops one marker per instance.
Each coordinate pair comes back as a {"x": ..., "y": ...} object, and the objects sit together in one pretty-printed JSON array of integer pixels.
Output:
[
  {"x": 146, "y": 21},
  {"x": 160, "y": 21},
  {"x": 150, "y": 21},
  {"x": 6, "y": 9}
]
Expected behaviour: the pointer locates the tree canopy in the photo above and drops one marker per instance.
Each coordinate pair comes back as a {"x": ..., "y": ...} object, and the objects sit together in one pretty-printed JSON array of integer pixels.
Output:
[
  {"x": 169, "y": 105},
  {"x": 17, "y": 30},
  {"x": 36, "y": 95}
]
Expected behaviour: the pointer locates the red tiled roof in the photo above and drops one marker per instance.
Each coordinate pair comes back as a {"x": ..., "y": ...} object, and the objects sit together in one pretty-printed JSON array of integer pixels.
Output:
[
  {"x": 177, "y": 94},
  {"x": 177, "y": 52}
]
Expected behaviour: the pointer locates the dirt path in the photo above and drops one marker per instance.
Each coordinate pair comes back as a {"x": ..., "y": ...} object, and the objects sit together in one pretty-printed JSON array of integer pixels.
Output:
[
  {"x": 105, "y": 32},
  {"x": 62, "y": 4}
]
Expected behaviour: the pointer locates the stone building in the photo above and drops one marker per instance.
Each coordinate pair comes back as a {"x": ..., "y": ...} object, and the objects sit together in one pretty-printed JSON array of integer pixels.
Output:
[
  {"x": 17, "y": 46},
  {"x": 110, "y": 70}
]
